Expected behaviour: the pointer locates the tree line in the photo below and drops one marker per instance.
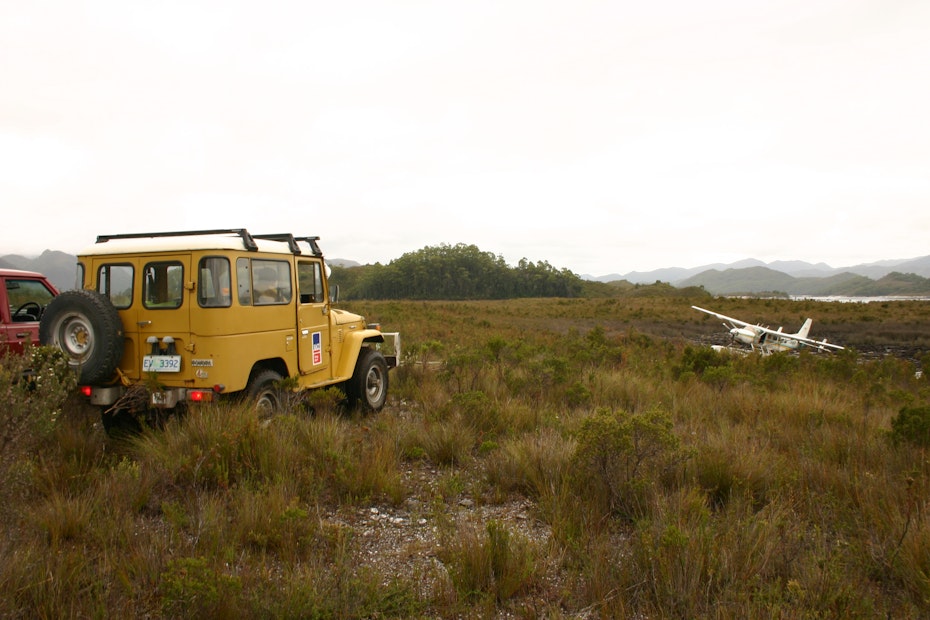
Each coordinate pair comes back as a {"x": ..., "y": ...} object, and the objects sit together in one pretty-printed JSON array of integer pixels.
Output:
[{"x": 456, "y": 272}]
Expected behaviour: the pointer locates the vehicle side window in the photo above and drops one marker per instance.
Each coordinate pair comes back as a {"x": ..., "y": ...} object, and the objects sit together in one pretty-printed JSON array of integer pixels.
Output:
[
  {"x": 213, "y": 283},
  {"x": 271, "y": 282},
  {"x": 115, "y": 281},
  {"x": 27, "y": 299},
  {"x": 163, "y": 285},
  {"x": 310, "y": 280},
  {"x": 79, "y": 279}
]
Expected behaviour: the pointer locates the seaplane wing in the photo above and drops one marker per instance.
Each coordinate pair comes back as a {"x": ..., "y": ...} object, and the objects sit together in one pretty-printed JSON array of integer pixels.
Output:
[{"x": 767, "y": 340}]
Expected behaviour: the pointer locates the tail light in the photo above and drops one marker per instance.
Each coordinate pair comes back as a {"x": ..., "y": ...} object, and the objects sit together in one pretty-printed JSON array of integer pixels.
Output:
[
  {"x": 205, "y": 396},
  {"x": 201, "y": 396}
]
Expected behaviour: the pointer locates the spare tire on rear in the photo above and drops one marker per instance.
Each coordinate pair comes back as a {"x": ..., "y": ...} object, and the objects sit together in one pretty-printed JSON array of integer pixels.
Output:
[{"x": 87, "y": 328}]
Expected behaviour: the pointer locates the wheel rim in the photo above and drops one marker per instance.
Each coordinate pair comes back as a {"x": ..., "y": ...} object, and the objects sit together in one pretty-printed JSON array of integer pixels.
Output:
[
  {"x": 75, "y": 336},
  {"x": 374, "y": 385},
  {"x": 266, "y": 404}
]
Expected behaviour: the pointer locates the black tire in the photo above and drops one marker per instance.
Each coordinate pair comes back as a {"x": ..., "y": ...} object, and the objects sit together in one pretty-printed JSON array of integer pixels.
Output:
[
  {"x": 265, "y": 395},
  {"x": 368, "y": 387},
  {"x": 87, "y": 328},
  {"x": 120, "y": 423}
]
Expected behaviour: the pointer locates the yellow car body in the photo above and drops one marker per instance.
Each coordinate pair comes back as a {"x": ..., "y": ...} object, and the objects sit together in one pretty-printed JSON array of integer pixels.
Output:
[{"x": 203, "y": 313}]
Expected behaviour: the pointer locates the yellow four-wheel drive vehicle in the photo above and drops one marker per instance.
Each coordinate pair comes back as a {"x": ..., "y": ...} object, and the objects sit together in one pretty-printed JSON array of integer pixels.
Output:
[{"x": 192, "y": 316}]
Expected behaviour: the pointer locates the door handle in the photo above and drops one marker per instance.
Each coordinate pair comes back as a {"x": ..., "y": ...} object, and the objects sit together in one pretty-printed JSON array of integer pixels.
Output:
[{"x": 143, "y": 323}]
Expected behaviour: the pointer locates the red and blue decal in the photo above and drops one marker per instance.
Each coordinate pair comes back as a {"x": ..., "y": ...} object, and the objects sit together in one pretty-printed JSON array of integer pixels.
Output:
[{"x": 317, "y": 348}]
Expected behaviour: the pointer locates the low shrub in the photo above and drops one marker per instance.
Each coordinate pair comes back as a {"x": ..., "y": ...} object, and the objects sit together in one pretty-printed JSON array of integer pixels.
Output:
[
  {"x": 33, "y": 387},
  {"x": 912, "y": 425},
  {"x": 621, "y": 456}
]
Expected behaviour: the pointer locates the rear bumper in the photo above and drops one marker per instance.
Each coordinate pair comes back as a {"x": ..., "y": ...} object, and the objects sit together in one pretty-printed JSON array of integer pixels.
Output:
[{"x": 168, "y": 398}]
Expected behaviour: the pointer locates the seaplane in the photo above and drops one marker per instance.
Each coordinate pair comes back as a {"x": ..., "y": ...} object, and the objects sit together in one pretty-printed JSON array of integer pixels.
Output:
[{"x": 765, "y": 340}]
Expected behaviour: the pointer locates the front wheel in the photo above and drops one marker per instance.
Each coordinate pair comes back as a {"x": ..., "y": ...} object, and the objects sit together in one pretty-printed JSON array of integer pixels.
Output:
[
  {"x": 265, "y": 395},
  {"x": 368, "y": 386}
]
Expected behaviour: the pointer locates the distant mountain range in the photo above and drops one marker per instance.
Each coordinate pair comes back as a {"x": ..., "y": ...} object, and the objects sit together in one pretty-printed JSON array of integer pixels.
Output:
[
  {"x": 909, "y": 277},
  {"x": 888, "y": 277},
  {"x": 60, "y": 268}
]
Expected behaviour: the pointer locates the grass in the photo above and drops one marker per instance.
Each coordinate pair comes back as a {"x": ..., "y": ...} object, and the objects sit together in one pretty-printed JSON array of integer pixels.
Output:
[{"x": 654, "y": 478}]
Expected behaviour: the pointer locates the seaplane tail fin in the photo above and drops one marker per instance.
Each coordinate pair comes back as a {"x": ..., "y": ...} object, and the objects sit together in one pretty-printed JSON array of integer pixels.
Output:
[{"x": 805, "y": 329}]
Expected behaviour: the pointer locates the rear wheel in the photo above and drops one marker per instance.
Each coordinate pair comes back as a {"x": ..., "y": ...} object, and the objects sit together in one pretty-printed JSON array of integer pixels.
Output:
[
  {"x": 368, "y": 386},
  {"x": 120, "y": 422},
  {"x": 265, "y": 395}
]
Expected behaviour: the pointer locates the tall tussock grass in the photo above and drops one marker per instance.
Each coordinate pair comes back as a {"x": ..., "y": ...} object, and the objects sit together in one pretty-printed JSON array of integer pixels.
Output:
[
  {"x": 491, "y": 565},
  {"x": 652, "y": 477}
]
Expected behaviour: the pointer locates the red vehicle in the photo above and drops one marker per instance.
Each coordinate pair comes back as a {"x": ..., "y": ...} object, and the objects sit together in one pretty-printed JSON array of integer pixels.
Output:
[{"x": 23, "y": 297}]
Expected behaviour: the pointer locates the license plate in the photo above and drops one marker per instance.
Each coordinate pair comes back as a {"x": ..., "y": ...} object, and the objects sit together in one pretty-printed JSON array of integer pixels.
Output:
[{"x": 161, "y": 363}]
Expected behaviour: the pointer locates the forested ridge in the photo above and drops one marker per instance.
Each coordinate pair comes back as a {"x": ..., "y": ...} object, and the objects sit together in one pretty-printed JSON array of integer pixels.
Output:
[{"x": 459, "y": 272}]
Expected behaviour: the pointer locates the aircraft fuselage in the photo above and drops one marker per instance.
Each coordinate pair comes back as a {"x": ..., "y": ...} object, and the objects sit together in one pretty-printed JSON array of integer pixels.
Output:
[{"x": 753, "y": 337}]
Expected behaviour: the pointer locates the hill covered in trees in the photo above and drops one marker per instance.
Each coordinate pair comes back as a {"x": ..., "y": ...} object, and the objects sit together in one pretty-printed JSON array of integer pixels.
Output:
[{"x": 460, "y": 272}]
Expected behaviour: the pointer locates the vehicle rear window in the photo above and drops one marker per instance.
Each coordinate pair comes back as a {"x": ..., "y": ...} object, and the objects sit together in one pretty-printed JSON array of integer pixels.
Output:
[
  {"x": 115, "y": 281},
  {"x": 163, "y": 287}
]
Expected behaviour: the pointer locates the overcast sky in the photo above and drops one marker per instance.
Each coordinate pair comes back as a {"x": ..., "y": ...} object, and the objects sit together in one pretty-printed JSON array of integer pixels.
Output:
[{"x": 602, "y": 137}]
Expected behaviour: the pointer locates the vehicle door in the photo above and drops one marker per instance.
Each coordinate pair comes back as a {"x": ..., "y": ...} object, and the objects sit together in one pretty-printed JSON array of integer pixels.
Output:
[
  {"x": 26, "y": 299},
  {"x": 313, "y": 338},
  {"x": 152, "y": 295}
]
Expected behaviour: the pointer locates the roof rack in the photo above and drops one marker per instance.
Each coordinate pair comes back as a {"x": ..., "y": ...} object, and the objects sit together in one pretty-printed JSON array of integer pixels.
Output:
[
  {"x": 312, "y": 242},
  {"x": 248, "y": 240},
  {"x": 291, "y": 241}
]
